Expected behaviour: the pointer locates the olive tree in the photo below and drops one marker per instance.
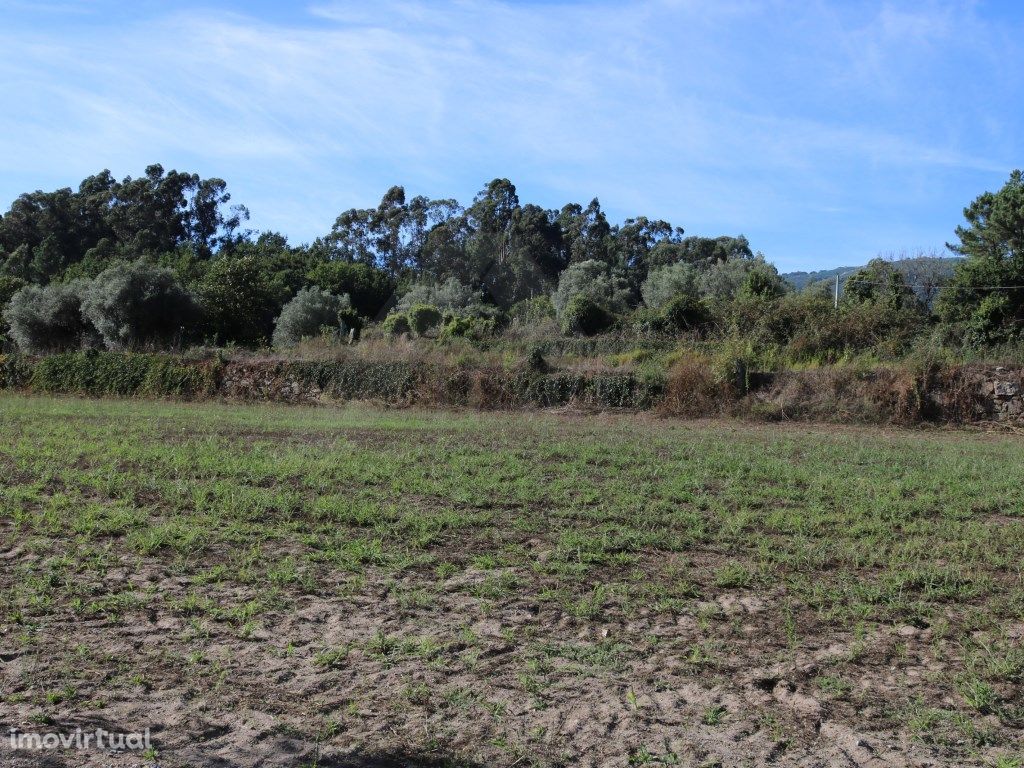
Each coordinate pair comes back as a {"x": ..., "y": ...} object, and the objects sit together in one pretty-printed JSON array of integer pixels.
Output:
[
  {"x": 47, "y": 318},
  {"x": 594, "y": 280},
  {"x": 306, "y": 315},
  {"x": 139, "y": 304},
  {"x": 666, "y": 283},
  {"x": 450, "y": 295}
]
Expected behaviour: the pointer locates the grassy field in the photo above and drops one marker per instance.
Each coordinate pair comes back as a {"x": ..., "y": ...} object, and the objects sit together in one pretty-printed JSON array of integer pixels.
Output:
[{"x": 282, "y": 586}]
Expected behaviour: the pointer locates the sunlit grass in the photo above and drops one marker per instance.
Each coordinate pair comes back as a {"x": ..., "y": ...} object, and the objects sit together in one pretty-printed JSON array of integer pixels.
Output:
[{"x": 838, "y": 530}]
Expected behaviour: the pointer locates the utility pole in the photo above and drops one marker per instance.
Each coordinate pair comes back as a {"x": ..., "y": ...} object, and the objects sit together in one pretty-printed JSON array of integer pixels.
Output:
[{"x": 836, "y": 303}]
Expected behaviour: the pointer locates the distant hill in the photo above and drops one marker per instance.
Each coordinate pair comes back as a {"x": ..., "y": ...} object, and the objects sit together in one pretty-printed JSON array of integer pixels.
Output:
[
  {"x": 923, "y": 269},
  {"x": 801, "y": 280}
]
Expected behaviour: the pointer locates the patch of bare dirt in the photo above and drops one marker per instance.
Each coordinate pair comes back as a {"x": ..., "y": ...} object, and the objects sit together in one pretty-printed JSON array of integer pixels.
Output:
[{"x": 371, "y": 676}]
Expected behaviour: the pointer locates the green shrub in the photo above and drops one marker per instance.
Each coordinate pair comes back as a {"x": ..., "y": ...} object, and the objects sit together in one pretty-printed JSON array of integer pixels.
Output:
[
  {"x": 48, "y": 319},
  {"x": 532, "y": 310},
  {"x": 306, "y": 315},
  {"x": 595, "y": 280},
  {"x": 725, "y": 279},
  {"x": 882, "y": 284},
  {"x": 15, "y": 371},
  {"x": 169, "y": 377},
  {"x": 602, "y": 391},
  {"x": 122, "y": 374},
  {"x": 666, "y": 283},
  {"x": 396, "y": 324},
  {"x": 449, "y": 295},
  {"x": 368, "y": 287},
  {"x": 239, "y": 302},
  {"x": 351, "y": 320},
  {"x": 423, "y": 317},
  {"x": 620, "y": 391},
  {"x": 584, "y": 316},
  {"x": 684, "y": 312},
  {"x": 472, "y": 328},
  {"x": 131, "y": 305},
  {"x": 991, "y": 321},
  {"x": 8, "y": 287},
  {"x": 829, "y": 336},
  {"x": 535, "y": 362},
  {"x": 644, "y": 321}
]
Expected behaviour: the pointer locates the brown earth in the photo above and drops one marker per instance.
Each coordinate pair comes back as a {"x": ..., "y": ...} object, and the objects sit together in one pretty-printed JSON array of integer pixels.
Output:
[{"x": 613, "y": 692}]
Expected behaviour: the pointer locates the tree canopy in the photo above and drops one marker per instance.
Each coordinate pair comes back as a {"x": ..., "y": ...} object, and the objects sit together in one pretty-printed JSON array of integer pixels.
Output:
[
  {"x": 986, "y": 295},
  {"x": 164, "y": 258},
  {"x": 45, "y": 233}
]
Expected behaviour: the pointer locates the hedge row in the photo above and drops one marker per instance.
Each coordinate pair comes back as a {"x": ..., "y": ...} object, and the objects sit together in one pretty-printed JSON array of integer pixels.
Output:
[
  {"x": 408, "y": 383},
  {"x": 154, "y": 375},
  {"x": 111, "y": 373},
  {"x": 881, "y": 395}
]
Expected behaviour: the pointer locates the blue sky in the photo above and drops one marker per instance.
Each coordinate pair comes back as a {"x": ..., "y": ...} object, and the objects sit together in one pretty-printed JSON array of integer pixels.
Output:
[{"x": 826, "y": 132}]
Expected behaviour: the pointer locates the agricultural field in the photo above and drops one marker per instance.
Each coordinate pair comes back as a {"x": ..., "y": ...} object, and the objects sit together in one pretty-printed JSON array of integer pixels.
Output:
[{"x": 286, "y": 586}]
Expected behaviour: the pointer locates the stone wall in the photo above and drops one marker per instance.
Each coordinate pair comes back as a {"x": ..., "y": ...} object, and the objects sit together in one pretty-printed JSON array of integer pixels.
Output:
[
  {"x": 846, "y": 394},
  {"x": 1000, "y": 392},
  {"x": 266, "y": 381}
]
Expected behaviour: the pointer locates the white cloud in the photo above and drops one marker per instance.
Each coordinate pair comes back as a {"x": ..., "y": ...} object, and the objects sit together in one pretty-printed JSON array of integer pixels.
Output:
[{"x": 719, "y": 115}]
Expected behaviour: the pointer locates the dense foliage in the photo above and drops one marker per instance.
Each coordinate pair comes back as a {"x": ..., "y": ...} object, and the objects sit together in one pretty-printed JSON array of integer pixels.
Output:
[
  {"x": 240, "y": 301},
  {"x": 585, "y": 315},
  {"x": 311, "y": 313},
  {"x": 986, "y": 298},
  {"x": 47, "y": 318},
  {"x": 138, "y": 304},
  {"x": 162, "y": 261},
  {"x": 46, "y": 233}
]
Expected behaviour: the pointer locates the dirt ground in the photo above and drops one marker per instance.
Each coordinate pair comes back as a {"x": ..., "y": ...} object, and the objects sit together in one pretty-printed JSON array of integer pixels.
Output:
[
  {"x": 621, "y": 692},
  {"x": 465, "y": 653}
]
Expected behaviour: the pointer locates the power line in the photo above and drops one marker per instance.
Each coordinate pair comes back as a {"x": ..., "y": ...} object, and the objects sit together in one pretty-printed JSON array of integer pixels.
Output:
[
  {"x": 934, "y": 286},
  {"x": 918, "y": 286}
]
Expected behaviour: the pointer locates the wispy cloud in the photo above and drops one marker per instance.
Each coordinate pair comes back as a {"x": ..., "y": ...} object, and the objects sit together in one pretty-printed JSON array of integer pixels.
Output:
[{"x": 723, "y": 116}]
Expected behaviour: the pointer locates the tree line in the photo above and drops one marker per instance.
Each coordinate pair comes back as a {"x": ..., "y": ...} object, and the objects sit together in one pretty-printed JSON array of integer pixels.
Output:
[{"x": 166, "y": 260}]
